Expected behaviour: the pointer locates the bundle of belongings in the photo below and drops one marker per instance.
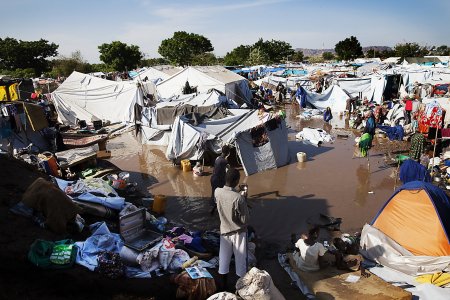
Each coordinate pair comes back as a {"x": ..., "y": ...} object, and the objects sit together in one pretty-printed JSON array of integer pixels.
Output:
[
  {"x": 49, "y": 207},
  {"x": 314, "y": 136},
  {"x": 52, "y": 255}
]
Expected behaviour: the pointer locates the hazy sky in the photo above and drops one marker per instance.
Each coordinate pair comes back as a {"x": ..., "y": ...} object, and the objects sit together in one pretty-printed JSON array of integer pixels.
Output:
[{"x": 85, "y": 24}]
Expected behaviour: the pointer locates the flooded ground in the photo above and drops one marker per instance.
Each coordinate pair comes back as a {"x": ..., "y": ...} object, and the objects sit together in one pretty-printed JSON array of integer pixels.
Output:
[{"x": 283, "y": 200}]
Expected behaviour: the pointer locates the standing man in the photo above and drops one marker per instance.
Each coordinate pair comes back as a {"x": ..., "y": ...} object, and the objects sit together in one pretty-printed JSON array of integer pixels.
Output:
[
  {"x": 218, "y": 176},
  {"x": 234, "y": 215}
]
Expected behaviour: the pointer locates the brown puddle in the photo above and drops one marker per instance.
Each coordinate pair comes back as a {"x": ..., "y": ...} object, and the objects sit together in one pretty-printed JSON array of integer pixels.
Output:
[{"x": 330, "y": 182}]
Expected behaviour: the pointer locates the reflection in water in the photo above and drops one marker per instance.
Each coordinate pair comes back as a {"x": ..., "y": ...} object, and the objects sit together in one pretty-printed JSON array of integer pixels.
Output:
[{"x": 361, "y": 192}]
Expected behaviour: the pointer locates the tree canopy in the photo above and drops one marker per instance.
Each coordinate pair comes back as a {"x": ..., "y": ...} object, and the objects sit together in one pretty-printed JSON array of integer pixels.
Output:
[
  {"x": 348, "y": 49},
  {"x": 183, "y": 47},
  {"x": 64, "y": 66},
  {"x": 410, "y": 50},
  {"x": 120, "y": 56},
  {"x": 298, "y": 56},
  {"x": 272, "y": 51},
  {"x": 328, "y": 56},
  {"x": 441, "y": 50},
  {"x": 237, "y": 56},
  {"x": 31, "y": 55}
]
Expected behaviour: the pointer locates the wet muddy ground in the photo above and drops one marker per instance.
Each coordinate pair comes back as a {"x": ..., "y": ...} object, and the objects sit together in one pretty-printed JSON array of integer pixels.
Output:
[{"x": 283, "y": 200}]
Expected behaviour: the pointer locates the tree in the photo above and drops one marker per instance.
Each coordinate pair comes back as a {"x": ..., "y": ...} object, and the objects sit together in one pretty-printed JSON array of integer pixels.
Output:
[
  {"x": 348, "y": 49},
  {"x": 120, "y": 56},
  {"x": 18, "y": 54},
  {"x": 237, "y": 56},
  {"x": 204, "y": 59},
  {"x": 64, "y": 66},
  {"x": 257, "y": 57},
  {"x": 328, "y": 56},
  {"x": 298, "y": 56},
  {"x": 441, "y": 50},
  {"x": 410, "y": 50},
  {"x": 149, "y": 62},
  {"x": 183, "y": 47},
  {"x": 277, "y": 51}
]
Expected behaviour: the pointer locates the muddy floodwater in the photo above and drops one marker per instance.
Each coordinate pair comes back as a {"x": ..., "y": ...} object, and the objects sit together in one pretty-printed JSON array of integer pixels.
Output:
[{"x": 284, "y": 200}]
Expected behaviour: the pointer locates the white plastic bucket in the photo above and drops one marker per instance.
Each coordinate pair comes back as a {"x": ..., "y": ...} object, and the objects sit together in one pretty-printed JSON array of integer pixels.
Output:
[{"x": 301, "y": 156}]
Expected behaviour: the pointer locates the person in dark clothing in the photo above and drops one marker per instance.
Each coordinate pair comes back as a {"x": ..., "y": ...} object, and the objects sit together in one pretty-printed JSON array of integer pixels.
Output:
[
  {"x": 218, "y": 176},
  {"x": 327, "y": 116}
]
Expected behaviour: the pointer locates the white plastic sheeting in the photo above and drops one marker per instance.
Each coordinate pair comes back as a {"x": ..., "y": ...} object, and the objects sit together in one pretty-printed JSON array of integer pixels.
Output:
[
  {"x": 85, "y": 97},
  {"x": 205, "y": 78},
  {"x": 235, "y": 129},
  {"x": 382, "y": 249},
  {"x": 334, "y": 97}
]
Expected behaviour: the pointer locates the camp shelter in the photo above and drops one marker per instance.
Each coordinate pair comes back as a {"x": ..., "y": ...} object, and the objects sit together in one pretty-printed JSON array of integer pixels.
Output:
[
  {"x": 156, "y": 121},
  {"x": 204, "y": 78},
  {"x": 334, "y": 97},
  {"x": 411, "y": 231},
  {"x": 260, "y": 139},
  {"x": 85, "y": 97},
  {"x": 156, "y": 73},
  {"x": 370, "y": 87},
  {"x": 22, "y": 124}
]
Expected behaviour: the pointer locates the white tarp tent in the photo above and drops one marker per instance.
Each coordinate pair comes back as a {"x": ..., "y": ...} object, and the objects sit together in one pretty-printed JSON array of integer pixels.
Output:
[
  {"x": 334, "y": 97},
  {"x": 158, "y": 134},
  {"x": 234, "y": 86},
  {"x": 85, "y": 97},
  {"x": 371, "y": 87},
  {"x": 236, "y": 129}
]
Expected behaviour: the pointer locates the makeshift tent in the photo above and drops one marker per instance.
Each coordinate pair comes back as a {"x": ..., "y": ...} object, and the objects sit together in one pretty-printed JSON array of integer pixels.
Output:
[
  {"x": 155, "y": 74},
  {"x": 234, "y": 86},
  {"x": 334, "y": 97},
  {"x": 85, "y": 97},
  {"x": 371, "y": 87},
  {"x": 411, "y": 231},
  {"x": 260, "y": 140},
  {"x": 157, "y": 121}
]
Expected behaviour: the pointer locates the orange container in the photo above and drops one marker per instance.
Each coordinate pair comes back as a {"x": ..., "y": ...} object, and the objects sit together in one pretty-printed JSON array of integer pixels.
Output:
[
  {"x": 186, "y": 165},
  {"x": 159, "y": 204}
]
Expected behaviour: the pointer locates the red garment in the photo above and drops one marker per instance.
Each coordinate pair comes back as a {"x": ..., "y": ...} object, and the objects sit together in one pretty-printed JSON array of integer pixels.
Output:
[{"x": 408, "y": 105}]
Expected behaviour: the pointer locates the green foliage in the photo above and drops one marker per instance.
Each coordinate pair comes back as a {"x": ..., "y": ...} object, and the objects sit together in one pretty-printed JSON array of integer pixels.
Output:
[
  {"x": 64, "y": 66},
  {"x": 348, "y": 49},
  {"x": 18, "y": 54},
  {"x": 441, "y": 50},
  {"x": 120, "y": 56},
  {"x": 410, "y": 50},
  {"x": 183, "y": 47},
  {"x": 272, "y": 51},
  {"x": 298, "y": 56},
  {"x": 372, "y": 52},
  {"x": 150, "y": 62},
  {"x": 316, "y": 59},
  {"x": 257, "y": 57},
  {"x": 101, "y": 68},
  {"x": 20, "y": 73},
  {"x": 237, "y": 56},
  {"x": 328, "y": 56},
  {"x": 204, "y": 59}
]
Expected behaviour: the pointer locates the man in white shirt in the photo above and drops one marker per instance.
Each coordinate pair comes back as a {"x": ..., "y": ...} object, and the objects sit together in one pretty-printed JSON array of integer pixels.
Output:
[{"x": 234, "y": 216}]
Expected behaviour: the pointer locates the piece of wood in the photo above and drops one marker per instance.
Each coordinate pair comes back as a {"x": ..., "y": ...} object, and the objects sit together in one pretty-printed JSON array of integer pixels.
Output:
[
  {"x": 103, "y": 154},
  {"x": 329, "y": 283}
]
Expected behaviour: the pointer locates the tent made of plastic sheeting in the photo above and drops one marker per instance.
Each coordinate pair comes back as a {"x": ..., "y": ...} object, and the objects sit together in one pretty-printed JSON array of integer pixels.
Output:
[
  {"x": 289, "y": 82},
  {"x": 240, "y": 129},
  {"x": 444, "y": 103},
  {"x": 334, "y": 97},
  {"x": 234, "y": 86},
  {"x": 156, "y": 74},
  {"x": 371, "y": 87},
  {"x": 85, "y": 97},
  {"x": 418, "y": 218}
]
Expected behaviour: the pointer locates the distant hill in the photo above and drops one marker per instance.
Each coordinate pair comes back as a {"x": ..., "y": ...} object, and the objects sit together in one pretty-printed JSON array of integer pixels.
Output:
[{"x": 317, "y": 52}]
